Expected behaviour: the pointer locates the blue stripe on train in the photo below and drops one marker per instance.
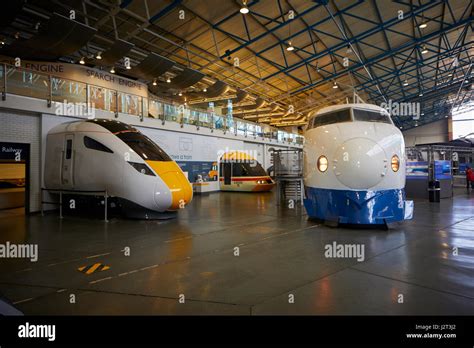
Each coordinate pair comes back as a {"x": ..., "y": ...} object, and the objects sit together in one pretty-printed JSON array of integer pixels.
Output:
[{"x": 355, "y": 207}]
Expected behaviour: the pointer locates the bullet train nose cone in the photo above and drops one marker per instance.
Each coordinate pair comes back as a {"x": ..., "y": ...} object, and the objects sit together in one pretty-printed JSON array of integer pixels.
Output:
[{"x": 361, "y": 163}]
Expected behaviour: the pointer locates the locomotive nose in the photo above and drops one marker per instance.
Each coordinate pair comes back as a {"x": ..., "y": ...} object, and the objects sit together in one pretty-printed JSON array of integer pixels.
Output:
[
  {"x": 360, "y": 163},
  {"x": 173, "y": 177}
]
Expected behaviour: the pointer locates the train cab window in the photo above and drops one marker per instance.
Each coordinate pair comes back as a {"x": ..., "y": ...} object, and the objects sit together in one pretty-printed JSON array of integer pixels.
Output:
[
  {"x": 254, "y": 169},
  {"x": 95, "y": 145},
  {"x": 143, "y": 146},
  {"x": 371, "y": 116},
  {"x": 137, "y": 141},
  {"x": 330, "y": 118},
  {"x": 237, "y": 169}
]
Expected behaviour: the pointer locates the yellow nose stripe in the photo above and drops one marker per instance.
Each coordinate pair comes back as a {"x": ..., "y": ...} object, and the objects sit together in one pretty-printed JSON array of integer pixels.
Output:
[{"x": 173, "y": 176}]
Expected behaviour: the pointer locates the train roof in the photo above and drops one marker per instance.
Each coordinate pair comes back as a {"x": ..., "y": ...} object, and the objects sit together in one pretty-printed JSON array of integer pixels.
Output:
[
  {"x": 361, "y": 106},
  {"x": 236, "y": 156},
  {"x": 97, "y": 124}
]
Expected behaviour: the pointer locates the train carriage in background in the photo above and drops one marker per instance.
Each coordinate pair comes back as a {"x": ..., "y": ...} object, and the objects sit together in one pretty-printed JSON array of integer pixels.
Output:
[
  {"x": 108, "y": 155},
  {"x": 354, "y": 166},
  {"x": 238, "y": 171}
]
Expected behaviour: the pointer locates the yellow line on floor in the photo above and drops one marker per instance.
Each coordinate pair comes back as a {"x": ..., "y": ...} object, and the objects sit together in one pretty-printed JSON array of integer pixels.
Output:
[{"x": 93, "y": 268}]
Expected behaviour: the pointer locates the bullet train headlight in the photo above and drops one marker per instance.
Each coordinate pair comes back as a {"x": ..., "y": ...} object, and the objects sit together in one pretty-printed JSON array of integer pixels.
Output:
[
  {"x": 395, "y": 163},
  {"x": 141, "y": 168},
  {"x": 322, "y": 163}
]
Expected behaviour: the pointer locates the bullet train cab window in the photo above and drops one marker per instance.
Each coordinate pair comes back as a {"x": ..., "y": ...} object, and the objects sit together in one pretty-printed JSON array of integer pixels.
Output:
[
  {"x": 143, "y": 146},
  {"x": 95, "y": 145},
  {"x": 138, "y": 142},
  {"x": 371, "y": 116},
  {"x": 338, "y": 116}
]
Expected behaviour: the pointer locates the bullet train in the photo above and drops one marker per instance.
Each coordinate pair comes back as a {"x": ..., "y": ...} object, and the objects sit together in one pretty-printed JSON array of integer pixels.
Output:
[
  {"x": 354, "y": 166},
  {"x": 102, "y": 154},
  {"x": 238, "y": 171}
]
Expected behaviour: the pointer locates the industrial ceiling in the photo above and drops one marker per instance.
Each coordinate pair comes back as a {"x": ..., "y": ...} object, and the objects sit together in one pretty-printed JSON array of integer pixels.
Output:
[{"x": 279, "y": 60}]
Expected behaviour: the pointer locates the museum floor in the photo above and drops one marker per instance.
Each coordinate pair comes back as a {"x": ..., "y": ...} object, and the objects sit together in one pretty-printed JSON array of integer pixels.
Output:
[{"x": 280, "y": 253}]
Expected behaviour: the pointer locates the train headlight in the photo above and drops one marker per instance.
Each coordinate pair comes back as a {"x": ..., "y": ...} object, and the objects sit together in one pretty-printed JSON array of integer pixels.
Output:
[
  {"x": 395, "y": 163},
  {"x": 322, "y": 163}
]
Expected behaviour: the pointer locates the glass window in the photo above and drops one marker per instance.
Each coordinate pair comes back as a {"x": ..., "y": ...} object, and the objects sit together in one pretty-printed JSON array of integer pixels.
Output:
[
  {"x": 137, "y": 141},
  {"x": 247, "y": 169},
  {"x": 371, "y": 116},
  {"x": 330, "y": 118},
  {"x": 463, "y": 121},
  {"x": 95, "y": 145},
  {"x": 253, "y": 169},
  {"x": 143, "y": 146},
  {"x": 68, "y": 148}
]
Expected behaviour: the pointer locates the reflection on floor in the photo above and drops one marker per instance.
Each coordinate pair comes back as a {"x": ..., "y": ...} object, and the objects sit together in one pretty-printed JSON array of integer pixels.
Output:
[
  {"x": 5, "y": 213},
  {"x": 280, "y": 253}
]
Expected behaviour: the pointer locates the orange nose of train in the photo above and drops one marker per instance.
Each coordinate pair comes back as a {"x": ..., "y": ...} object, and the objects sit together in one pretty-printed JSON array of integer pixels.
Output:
[{"x": 173, "y": 176}]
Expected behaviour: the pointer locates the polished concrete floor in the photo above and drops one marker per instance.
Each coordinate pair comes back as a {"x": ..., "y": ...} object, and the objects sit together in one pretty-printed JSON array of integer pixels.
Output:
[{"x": 281, "y": 253}]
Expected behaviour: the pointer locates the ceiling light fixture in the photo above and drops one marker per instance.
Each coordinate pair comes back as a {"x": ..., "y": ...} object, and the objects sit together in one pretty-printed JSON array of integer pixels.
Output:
[
  {"x": 335, "y": 85},
  {"x": 82, "y": 61},
  {"x": 290, "y": 47},
  {"x": 112, "y": 70},
  {"x": 168, "y": 80},
  {"x": 244, "y": 9},
  {"x": 154, "y": 82},
  {"x": 423, "y": 25},
  {"x": 425, "y": 50},
  {"x": 405, "y": 83},
  {"x": 180, "y": 94},
  {"x": 99, "y": 56},
  {"x": 204, "y": 90}
]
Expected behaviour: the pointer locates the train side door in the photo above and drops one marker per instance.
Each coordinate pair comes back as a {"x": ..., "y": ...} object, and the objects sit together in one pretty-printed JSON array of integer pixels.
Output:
[
  {"x": 67, "y": 168},
  {"x": 227, "y": 173}
]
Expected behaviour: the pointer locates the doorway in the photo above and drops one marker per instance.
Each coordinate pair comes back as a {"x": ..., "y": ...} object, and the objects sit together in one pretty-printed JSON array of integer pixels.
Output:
[{"x": 14, "y": 179}]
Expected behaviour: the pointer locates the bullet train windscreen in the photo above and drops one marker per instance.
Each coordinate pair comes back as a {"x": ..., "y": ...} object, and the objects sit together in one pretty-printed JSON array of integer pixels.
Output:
[{"x": 241, "y": 172}]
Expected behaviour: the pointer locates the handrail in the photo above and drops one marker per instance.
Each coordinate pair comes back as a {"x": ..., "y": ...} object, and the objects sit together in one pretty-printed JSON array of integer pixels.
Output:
[{"x": 142, "y": 101}]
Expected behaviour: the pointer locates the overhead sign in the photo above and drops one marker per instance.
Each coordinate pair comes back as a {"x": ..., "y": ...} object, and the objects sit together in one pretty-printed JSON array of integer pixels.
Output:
[{"x": 84, "y": 74}]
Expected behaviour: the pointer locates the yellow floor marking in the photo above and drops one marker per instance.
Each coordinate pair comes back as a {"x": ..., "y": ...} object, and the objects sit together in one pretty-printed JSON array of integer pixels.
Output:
[{"x": 93, "y": 268}]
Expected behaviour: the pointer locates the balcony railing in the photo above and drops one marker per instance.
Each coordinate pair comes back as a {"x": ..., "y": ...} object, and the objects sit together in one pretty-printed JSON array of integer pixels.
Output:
[{"x": 29, "y": 83}]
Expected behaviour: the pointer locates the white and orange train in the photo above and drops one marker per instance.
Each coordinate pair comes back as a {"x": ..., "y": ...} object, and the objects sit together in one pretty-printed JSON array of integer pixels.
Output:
[
  {"x": 238, "y": 171},
  {"x": 108, "y": 155}
]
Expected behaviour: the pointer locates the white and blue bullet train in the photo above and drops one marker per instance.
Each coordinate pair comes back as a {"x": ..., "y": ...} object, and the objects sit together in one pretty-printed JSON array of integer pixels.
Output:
[
  {"x": 354, "y": 166},
  {"x": 108, "y": 155}
]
